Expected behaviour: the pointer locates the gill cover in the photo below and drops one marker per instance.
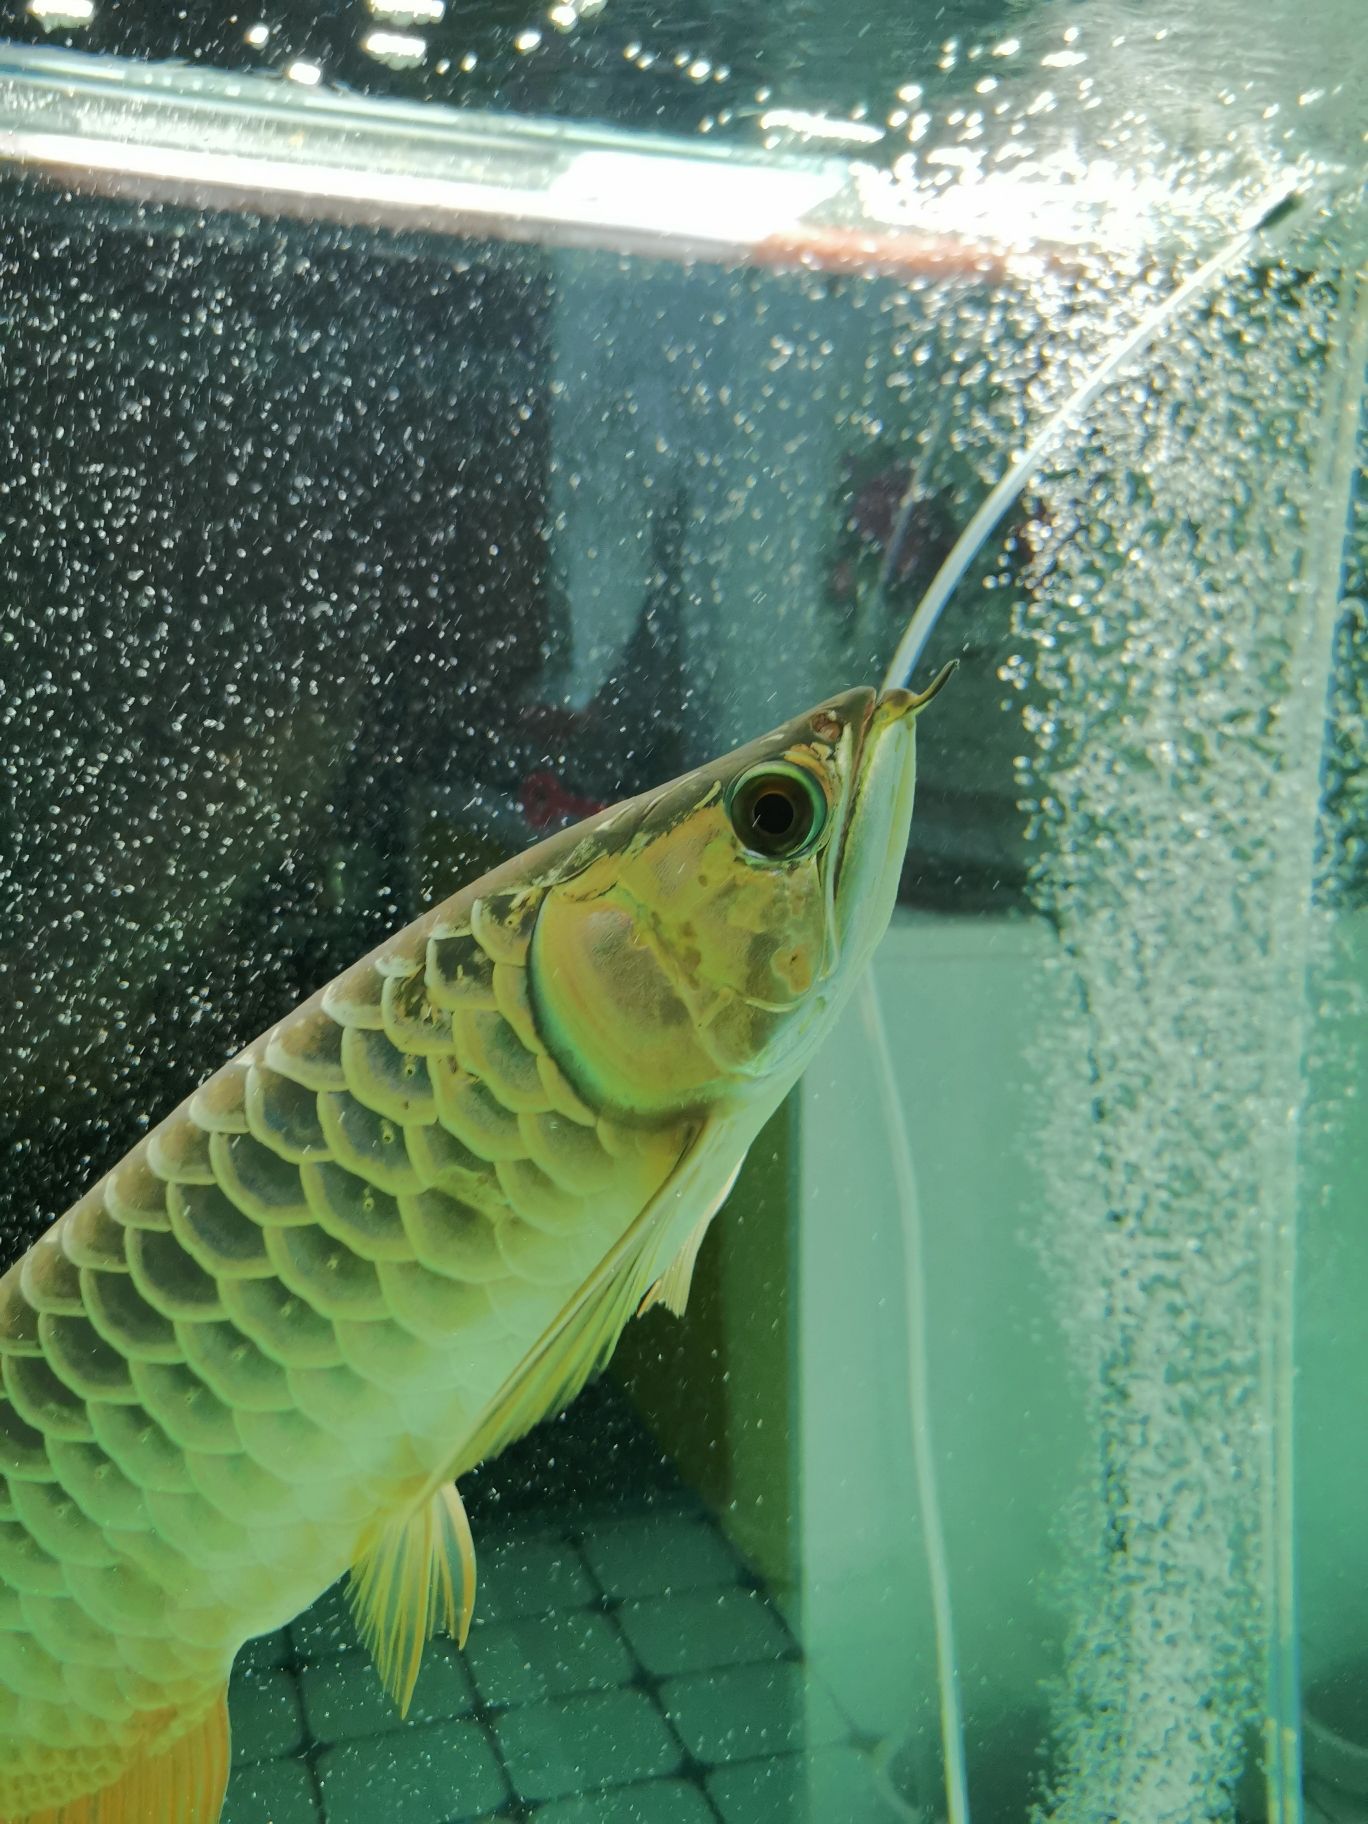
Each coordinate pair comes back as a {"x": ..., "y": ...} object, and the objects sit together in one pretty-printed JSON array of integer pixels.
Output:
[{"x": 705, "y": 954}]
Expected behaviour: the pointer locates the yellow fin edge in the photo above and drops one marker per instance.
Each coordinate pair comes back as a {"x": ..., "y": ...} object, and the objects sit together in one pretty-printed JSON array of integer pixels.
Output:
[
  {"x": 673, "y": 1287},
  {"x": 182, "y": 1784},
  {"x": 403, "y": 1579},
  {"x": 404, "y": 1586}
]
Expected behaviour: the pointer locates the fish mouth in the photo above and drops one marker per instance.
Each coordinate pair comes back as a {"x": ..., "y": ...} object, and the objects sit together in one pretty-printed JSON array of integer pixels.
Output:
[
  {"x": 872, "y": 841},
  {"x": 887, "y": 709},
  {"x": 884, "y": 712}
]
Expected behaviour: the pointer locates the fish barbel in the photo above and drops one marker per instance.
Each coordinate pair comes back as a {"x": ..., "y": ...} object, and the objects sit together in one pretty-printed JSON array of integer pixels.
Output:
[{"x": 393, "y": 1233}]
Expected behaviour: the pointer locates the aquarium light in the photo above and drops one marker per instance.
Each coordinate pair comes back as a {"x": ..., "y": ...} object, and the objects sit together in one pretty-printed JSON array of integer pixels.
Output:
[
  {"x": 728, "y": 204},
  {"x": 268, "y": 146},
  {"x": 61, "y": 15}
]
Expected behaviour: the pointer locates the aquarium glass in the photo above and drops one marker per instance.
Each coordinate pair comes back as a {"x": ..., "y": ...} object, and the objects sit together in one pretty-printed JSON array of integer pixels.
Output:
[{"x": 425, "y": 423}]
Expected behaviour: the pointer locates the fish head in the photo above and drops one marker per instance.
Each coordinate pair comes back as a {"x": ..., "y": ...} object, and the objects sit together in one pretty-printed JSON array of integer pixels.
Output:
[{"x": 700, "y": 955}]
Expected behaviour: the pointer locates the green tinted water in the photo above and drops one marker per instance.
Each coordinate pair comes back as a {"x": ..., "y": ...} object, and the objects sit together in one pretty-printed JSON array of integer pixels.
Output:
[{"x": 337, "y": 558}]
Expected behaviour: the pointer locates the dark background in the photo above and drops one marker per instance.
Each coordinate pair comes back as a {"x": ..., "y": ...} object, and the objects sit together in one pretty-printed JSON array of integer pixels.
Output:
[
  {"x": 268, "y": 563},
  {"x": 812, "y": 55}
]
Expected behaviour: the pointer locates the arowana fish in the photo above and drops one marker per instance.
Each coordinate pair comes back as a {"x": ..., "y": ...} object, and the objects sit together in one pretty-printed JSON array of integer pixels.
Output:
[{"x": 391, "y": 1235}]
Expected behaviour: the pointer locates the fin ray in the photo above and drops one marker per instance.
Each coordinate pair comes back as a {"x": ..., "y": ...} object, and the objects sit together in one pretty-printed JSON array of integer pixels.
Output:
[
  {"x": 403, "y": 1579},
  {"x": 584, "y": 1334},
  {"x": 182, "y": 1784},
  {"x": 673, "y": 1287},
  {"x": 404, "y": 1586}
]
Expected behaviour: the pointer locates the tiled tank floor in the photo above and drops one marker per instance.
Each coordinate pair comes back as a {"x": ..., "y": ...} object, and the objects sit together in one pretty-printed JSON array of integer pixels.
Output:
[{"x": 623, "y": 1668}]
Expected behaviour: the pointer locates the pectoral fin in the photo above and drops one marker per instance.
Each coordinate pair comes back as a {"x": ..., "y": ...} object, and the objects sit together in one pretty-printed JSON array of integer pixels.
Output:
[
  {"x": 404, "y": 1579},
  {"x": 585, "y": 1333},
  {"x": 182, "y": 1784},
  {"x": 404, "y": 1586},
  {"x": 672, "y": 1288}
]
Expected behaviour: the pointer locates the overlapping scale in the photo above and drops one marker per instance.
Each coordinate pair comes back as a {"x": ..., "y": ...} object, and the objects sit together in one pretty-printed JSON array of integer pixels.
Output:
[
  {"x": 437, "y": 1309},
  {"x": 17, "y": 1713},
  {"x": 570, "y": 1154},
  {"x": 356, "y": 1212},
  {"x": 146, "y": 1549},
  {"x": 283, "y": 1115},
  {"x": 526, "y": 1306},
  {"x": 142, "y": 1665},
  {"x": 91, "y": 1237},
  {"x": 440, "y": 1159},
  {"x": 134, "y": 1440},
  {"x": 394, "y": 1083},
  {"x": 58, "y": 1525},
  {"x": 143, "y": 1692},
  {"x": 562, "y": 1098},
  {"x": 289, "y": 1444},
  {"x": 538, "y": 1200},
  {"x": 308, "y": 1048},
  {"x": 25, "y": 1566},
  {"x": 280, "y": 1323},
  {"x": 402, "y": 954},
  {"x": 243, "y": 1491},
  {"x": 345, "y": 1500},
  {"x": 513, "y": 999},
  {"x": 264, "y": 1186},
  {"x": 502, "y": 923},
  {"x": 135, "y": 1196},
  {"x": 232, "y": 1365},
  {"x": 458, "y": 974},
  {"x": 356, "y": 997},
  {"x": 452, "y": 1237},
  {"x": 66, "y": 1629},
  {"x": 90, "y": 1691},
  {"x": 42, "y": 1399},
  {"x": 169, "y": 1278},
  {"x": 124, "y": 1317},
  {"x": 343, "y": 1404},
  {"x": 125, "y": 1598},
  {"x": 489, "y": 1049},
  {"x": 212, "y": 1229},
  {"x": 178, "y": 1151},
  {"x": 365, "y": 1143},
  {"x": 96, "y": 1692},
  {"x": 533, "y": 1257},
  {"x": 76, "y": 1352},
  {"x": 48, "y": 1278},
  {"x": 383, "y": 1351},
  {"x": 413, "y": 1022},
  {"x": 31, "y": 1673},
  {"x": 18, "y": 1319},
  {"x": 23, "y": 1449},
  {"x": 220, "y": 1105},
  {"x": 327, "y": 1273},
  {"x": 191, "y": 1414},
  {"x": 470, "y": 1111},
  {"x": 103, "y": 1492}
]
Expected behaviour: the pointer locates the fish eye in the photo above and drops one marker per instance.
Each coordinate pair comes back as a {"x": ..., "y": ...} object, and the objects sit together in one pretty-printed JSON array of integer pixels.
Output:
[{"x": 778, "y": 811}]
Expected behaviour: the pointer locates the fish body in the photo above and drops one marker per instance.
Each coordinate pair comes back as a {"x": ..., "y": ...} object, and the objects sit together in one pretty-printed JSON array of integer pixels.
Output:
[{"x": 392, "y": 1234}]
